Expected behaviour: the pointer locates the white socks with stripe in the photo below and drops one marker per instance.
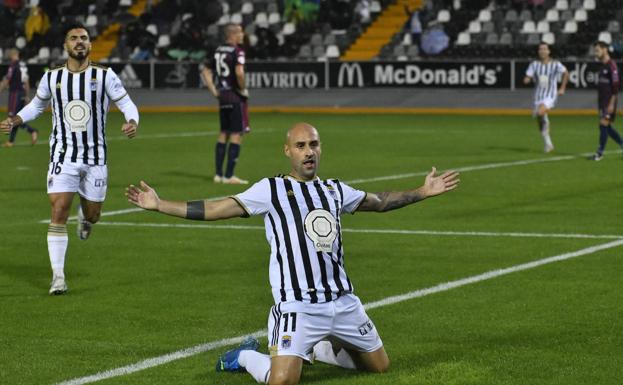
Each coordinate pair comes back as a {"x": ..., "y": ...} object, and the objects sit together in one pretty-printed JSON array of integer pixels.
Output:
[
  {"x": 257, "y": 364},
  {"x": 544, "y": 128},
  {"x": 323, "y": 352},
  {"x": 57, "y": 247}
]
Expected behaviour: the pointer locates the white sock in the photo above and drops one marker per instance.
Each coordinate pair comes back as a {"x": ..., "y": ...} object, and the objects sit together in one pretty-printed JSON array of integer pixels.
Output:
[
  {"x": 257, "y": 364},
  {"x": 323, "y": 352},
  {"x": 544, "y": 125},
  {"x": 57, "y": 247}
]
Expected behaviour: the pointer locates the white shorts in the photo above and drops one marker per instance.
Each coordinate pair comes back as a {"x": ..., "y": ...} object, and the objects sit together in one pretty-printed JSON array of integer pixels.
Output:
[
  {"x": 88, "y": 181},
  {"x": 548, "y": 103},
  {"x": 295, "y": 327}
]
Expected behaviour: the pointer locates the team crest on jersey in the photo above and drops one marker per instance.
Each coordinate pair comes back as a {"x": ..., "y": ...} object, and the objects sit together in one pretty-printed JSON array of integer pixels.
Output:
[
  {"x": 332, "y": 191},
  {"x": 286, "y": 342},
  {"x": 58, "y": 85},
  {"x": 93, "y": 84},
  {"x": 290, "y": 193}
]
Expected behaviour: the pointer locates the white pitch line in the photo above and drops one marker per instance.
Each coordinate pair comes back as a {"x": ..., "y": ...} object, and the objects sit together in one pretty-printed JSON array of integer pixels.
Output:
[
  {"x": 197, "y": 349},
  {"x": 408, "y": 175},
  {"x": 373, "y": 231}
]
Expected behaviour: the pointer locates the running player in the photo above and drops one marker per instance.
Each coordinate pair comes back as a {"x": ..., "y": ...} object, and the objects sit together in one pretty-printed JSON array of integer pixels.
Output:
[
  {"x": 16, "y": 80},
  {"x": 224, "y": 77},
  {"x": 81, "y": 92},
  {"x": 608, "y": 83},
  {"x": 313, "y": 295},
  {"x": 545, "y": 74}
]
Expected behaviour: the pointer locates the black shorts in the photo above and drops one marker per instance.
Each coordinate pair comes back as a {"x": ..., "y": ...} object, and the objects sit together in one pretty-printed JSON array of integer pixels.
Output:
[
  {"x": 234, "y": 117},
  {"x": 603, "y": 114}
]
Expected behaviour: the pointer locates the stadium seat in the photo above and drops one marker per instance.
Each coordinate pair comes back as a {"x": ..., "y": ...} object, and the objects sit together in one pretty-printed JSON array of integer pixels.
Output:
[
  {"x": 528, "y": 27},
  {"x": 605, "y": 36},
  {"x": 407, "y": 39},
  {"x": 274, "y": 18},
  {"x": 589, "y": 5},
  {"x": 375, "y": 7},
  {"x": 261, "y": 19},
  {"x": 236, "y": 18},
  {"x": 163, "y": 41},
  {"x": 570, "y": 27},
  {"x": 31, "y": 3},
  {"x": 614, "y": 26},
  {"x": 272, "y": 8},
  {"x": 91, "y": 21},
  {"x": 566, "y": 15},
  {"x": 488, "y": 27},
  {"x": 443, "y": 16},
  {"x": 484, "y": 15},
  {"x": 153, "y": 29},
  {"x": 580, "y": 15},
  {"x": 223, "y": 20},
  {"x": 552, "y": 15},
  {"x": 575, "y": 4},
  {"x": 525, "y": 15},
  {"x": 413, "y": 52},
  {"x": 549, "y": 38},
  {"x": 562, "y": 5},
  {"x": 288, "y": 29},
  {"x": 125, "y": 3},
  {"x": 463, "y": 39},
  {"x": 333, "y": 52},
  {"x": 247, "y": 8},
  {"x": 44, "y": 54},
  {"x": 318, "y": 51},
  {"x": 511, "y": 16},
  {"x": 506, "y": 39},
  {"x": 542, "y": 26},
  {"x": 20, "y": 42},
  {"x": 533, "y": 39},
  {"x": 474, "y": 27},
  {"x": 492, "y": 39},
  {"x": 316, "y": 39},
  {"x": 329, "y": 39}
]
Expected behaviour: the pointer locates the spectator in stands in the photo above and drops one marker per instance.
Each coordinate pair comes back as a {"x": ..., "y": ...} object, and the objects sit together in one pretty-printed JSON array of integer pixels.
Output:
[
  {"x": 414, "y": 25},
  {"x": 37, "y": 25},
  {"x": 362, "y": 10},
  {"x": 267, "y": 45}
]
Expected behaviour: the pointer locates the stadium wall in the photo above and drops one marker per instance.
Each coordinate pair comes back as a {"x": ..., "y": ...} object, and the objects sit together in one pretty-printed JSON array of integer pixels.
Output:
[{"x": 483, "y": 87}]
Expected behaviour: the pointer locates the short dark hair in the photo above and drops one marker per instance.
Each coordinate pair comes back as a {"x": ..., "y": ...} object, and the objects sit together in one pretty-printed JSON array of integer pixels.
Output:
[
  {"x": 602, "y": 44},
  {"x": 71, "y": 26},
  {"x": 545, "y": 43}
]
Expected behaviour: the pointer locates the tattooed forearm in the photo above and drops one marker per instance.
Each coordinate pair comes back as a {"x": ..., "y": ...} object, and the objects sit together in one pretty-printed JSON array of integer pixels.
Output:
[{"x": 390, "y": 200}]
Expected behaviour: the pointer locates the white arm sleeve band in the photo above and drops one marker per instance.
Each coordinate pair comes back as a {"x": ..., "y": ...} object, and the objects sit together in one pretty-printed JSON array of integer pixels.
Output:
[
  {"x": 127, "y": 106},
  {"x": 33, "y": 109}
]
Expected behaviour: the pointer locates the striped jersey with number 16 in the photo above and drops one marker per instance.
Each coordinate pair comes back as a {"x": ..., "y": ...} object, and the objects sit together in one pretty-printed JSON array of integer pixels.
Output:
[
  {"x": 80, "y": 102},
  {"x": 303, "y": 229}
]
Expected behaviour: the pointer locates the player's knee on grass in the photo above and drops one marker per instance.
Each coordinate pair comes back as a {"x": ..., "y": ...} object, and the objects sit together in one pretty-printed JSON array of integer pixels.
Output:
[
  {"x": 374, "y": 362},
  {"x": 285, "y": 370}
]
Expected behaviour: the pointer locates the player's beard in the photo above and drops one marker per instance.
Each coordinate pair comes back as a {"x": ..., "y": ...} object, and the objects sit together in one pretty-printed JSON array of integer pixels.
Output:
[{"x": 80, "y": 56}]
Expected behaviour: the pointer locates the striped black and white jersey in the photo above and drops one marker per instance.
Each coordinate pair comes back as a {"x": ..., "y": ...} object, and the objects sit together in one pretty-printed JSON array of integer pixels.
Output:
[
  {"x": 80, "y": 102},
  {"x": 303, "y": 228},
  {"x": 546, "y": 77}
]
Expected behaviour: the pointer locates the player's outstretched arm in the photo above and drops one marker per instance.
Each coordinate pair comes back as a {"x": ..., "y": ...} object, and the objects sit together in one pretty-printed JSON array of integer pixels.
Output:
[
  {"x": 146, "y": 197},
  {"x": 391, "y": 200}
]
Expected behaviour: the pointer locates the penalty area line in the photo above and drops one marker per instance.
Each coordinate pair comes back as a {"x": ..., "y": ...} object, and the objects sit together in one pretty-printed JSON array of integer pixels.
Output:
[{"x": 197, "y": 349}]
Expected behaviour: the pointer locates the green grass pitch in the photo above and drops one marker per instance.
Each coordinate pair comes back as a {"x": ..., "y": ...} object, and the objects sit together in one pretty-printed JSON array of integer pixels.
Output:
[{"x": 139, "y": 292}]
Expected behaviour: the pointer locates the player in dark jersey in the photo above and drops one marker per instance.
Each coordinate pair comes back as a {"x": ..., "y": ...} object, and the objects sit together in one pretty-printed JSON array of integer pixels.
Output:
[
  {"x": 224, "y": 77},
  {"x": 607, "y": 88},
  {"x": 16, "y": 80}
]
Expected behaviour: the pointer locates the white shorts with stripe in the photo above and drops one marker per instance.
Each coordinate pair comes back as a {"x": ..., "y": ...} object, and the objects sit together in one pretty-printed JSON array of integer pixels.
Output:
[
  {"x": 88, "y": 181},
  {"x": 549, "y": 103},
  {"x": 295, "y": 327}
]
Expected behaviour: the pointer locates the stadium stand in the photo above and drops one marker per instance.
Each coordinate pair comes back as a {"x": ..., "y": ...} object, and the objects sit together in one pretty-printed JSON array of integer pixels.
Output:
[{"x": 404, "y": 30}]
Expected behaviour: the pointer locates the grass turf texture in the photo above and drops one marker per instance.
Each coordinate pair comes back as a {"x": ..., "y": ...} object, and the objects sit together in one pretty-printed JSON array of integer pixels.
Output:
[{"x": 137, "y": 292}]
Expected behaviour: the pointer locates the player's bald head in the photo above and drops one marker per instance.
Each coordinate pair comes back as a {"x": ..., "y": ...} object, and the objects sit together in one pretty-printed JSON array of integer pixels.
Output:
[
  {"x": 300, "y": 129},
  {"x": 231, "y": 29}
]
